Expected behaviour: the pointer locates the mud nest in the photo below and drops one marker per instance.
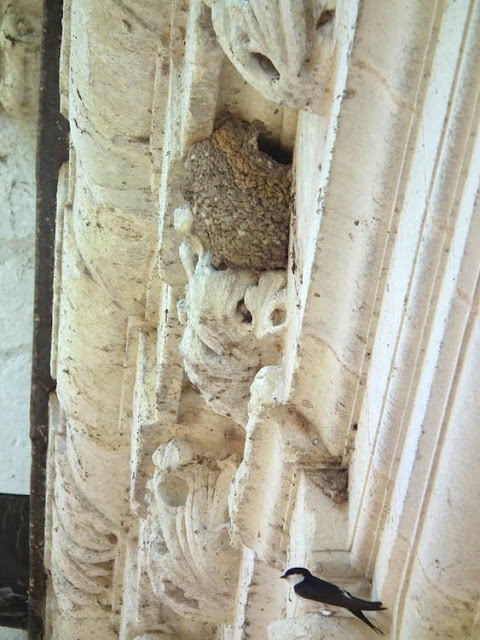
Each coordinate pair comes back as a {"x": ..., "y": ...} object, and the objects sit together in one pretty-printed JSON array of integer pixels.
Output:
[{"x": 239, "y": 196}]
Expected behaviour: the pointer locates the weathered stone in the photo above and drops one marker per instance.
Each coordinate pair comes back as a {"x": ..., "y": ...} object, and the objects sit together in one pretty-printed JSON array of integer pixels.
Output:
[
  {"x": 265, "y": 360},
  {"x": 20, "y": 35}
]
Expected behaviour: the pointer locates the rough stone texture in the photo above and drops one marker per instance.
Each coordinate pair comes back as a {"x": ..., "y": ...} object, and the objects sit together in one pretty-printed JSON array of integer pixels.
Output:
[
  {"x": 105, "y": 242},
  {"x": 12, "y": 634},
  {"x": 284, "y": 49},
  {"x": 233, "y": 328},
  {"x": 239, "y": 197},
  {"x": 82, "y": 551},
  {"x": 19, "y": 67},
  {"x": 189, "y": 525},
  {"x": 17, "y": 141},
  {"x": 258, "y": 396},
  {"x": 20, "y": 27},
  {"x": 314, "y": 626},
  {"x": 333, "y": 483}
]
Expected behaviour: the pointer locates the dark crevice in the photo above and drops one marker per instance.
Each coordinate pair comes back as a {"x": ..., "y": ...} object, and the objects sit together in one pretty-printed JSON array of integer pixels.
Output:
[
  {"x": 244, "y": 312},
  {"x": 266, "y": 65},
  {"x": 274, "y": 149},
  {"x": 325, "y": 17},
  {"x": 52, "y": 152},
  {"x": 278, "y": 317}
]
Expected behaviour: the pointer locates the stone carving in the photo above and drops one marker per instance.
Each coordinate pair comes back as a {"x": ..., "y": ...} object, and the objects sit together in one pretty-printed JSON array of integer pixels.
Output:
[
  {"x": 261, "y": 510},
  {"x": 333, "y": 482},
  {"x": 283, "y": 49},
  {"x": 20, "y": 25},
  {"x": 82, "y": 551},
  {"x": 236, "y": 230},
  {"x": 192, "y": 565},
  {"x": 239, "y": 196},
  {"x": 234, "y": 326}
]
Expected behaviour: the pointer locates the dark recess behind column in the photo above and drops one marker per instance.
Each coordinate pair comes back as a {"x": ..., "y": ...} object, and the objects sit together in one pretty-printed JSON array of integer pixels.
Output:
[
  {"x": 13, "y": 560},
  {"x": 52, "y": 151}
]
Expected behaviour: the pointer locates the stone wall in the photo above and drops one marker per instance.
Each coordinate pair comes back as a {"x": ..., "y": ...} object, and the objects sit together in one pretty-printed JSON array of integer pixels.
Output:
[
  {"x": 19, "y": 66},
  {"x": 265, "y": 322},
  {"x": 17, "y": 171},
  {"x": 12, "y": 634}
]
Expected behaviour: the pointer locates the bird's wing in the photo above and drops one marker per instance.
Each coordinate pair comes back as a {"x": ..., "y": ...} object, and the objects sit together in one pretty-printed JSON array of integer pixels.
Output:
[
  {"x": 328, "y": 593},
  {"x": 360, "y": 616},
  {"x": 322, "y": 591}
]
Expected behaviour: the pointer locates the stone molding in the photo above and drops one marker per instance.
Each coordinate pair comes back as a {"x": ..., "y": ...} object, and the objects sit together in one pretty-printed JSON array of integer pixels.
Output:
[{"x": 227, "y": 413}]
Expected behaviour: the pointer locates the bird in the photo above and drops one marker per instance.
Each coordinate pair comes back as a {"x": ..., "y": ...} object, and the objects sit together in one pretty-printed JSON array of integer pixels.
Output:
[{"x": 308, "y": 586}]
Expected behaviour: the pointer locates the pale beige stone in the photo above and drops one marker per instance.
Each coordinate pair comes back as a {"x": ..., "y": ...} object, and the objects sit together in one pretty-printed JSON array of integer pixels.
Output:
[
  {"x": 226, "y": 413},
  {"x": 20, "y": 35}
]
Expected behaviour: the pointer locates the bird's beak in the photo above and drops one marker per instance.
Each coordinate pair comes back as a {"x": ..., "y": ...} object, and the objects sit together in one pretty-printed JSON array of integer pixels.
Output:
[{"x": 284, "y": 576}]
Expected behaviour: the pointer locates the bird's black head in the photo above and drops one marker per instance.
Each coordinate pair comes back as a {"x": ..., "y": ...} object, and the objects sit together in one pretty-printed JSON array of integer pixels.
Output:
[{"x": 297, "y": 571}]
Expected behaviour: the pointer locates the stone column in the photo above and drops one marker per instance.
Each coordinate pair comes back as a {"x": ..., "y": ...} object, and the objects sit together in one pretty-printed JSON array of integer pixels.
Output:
[{"x": 443, "y": 576}]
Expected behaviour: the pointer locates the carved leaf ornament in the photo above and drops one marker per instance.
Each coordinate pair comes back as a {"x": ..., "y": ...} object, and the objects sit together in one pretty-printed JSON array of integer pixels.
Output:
[{"x": 279, "y": 47}]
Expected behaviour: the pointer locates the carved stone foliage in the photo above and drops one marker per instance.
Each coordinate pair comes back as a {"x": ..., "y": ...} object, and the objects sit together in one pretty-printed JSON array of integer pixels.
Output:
[
  {"x": 20, "y": 25},
  {"x": 283, "y": 49},
  {"x": 239, "y": 196},
  {"x": 192, "y": 565},
  {"x": 82, "y": 551},
  {"x": 236, "y": 231},
  {"x": 234, "y": 326}
]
